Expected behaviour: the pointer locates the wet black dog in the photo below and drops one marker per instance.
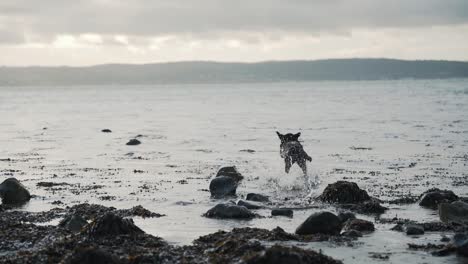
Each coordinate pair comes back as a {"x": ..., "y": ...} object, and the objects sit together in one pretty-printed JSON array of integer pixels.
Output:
[{"x": 292, "y": 152}]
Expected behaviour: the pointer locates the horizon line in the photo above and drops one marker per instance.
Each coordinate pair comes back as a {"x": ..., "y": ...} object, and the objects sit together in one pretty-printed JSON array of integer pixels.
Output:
[{"x": 225, "y": 62}]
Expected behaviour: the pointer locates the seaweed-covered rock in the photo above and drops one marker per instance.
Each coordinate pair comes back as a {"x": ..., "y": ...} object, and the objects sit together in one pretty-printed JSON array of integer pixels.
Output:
[
  {"x": 13, "y": 192},
  {"x": 139, "y": 211},
  {"x": 359, "y": 225},
  {"x": 282, "y": 212},
  {"x": 278, "y": 254},
  {"x": 90, "y": 211},
  {"x": 229, "y": 211},
  {"x": 247, "y": 233},
  {"x": 90, "y": 255},
  {"x": 112, "y": 225},
  {"x": 344, "y": 192},
  {"x": 223, "y": 186},
  {"x": 456, "y": 212},
  {"x": 368, "y": 207},
  {"x": 257, "y": 197},
  {"x": 433, "y": 197},
  {"x": 250, "y": 205},
  {"x": 320, "y": 223},
  {"x": 230, "y": 171},
  {"x": 73, "y": 222},
  {"x": 133, "y": 142}
]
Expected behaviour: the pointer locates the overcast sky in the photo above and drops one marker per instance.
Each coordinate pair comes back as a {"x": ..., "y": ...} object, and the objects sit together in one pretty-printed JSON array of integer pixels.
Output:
[{"x": 85, "y": 32}]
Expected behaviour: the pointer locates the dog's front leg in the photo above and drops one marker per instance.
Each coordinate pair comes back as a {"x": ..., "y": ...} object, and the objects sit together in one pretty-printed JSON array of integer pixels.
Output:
[
  {"x": 303, "y": 166},
  {"x": 287, "y": 163}
]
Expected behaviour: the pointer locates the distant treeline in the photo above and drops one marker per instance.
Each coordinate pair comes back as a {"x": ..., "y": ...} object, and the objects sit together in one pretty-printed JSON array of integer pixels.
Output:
[{"x": 220, "y": 72}]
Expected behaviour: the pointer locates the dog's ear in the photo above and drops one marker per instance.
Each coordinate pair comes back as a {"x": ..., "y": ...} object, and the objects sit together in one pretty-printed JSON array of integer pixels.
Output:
[
  {"x": 297, "y": 135},
  {"x": 279, "y": 135}
]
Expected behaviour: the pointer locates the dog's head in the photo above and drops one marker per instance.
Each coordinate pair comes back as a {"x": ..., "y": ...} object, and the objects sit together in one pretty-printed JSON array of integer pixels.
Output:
[{"x": 288, "y": 137}]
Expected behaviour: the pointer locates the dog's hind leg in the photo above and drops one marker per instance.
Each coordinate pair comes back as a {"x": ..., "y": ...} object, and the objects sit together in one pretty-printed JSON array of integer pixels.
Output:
[{"x": 287, "y": 164}]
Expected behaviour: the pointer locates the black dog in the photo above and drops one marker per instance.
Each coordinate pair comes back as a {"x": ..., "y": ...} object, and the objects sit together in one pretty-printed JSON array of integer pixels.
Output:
[{"x": 292, "y": 151}]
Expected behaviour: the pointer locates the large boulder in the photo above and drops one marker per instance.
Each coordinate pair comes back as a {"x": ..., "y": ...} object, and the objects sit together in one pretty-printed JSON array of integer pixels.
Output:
[
  {"x": 227, "y": 211},
  {"x": 456, "y": 212},
  {"x": 223, "y": 186},
  {"x": 112, "y": 225},
  {"x": 344, "y": 192},
  {"x": 433, "y": 197},
  {"x": 230, "y": 171},
  {"x": 13, "y": 192},
  {"x": 320, "y": 223}
]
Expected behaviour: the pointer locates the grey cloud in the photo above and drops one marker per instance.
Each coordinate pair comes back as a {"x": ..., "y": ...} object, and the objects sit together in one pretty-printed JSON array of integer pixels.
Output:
[{"x": 155, "y": 17}]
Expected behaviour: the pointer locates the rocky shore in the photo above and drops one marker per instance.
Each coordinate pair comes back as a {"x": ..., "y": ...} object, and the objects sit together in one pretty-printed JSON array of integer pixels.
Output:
[{"x": 92, "y": 233}]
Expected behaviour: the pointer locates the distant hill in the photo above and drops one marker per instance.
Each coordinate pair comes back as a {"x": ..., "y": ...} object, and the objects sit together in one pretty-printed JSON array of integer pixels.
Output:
[{"x": 220, "y": 72}]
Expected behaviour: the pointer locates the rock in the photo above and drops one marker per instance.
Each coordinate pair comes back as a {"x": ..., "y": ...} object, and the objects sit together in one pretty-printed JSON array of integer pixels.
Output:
[
  {"x": 248, "y": 233},
  {"x": 90, "y": 255},
  {"x": 141, "y": 212},
  {"x": 13, "y": 192},
  {"x": 460, "y": 241},
  {"x": 344, "y": 192},
  {"x": 398, "y": 228},
  {"x": 352, "y": 233},
  {"x": 112, "y": 225},
  {"x": 322, "y": 223},
  {"x": 433, "y": 197},
  {"x": 223, "y": 186},
  {"x": 282, "y": 212},
  {"x": 257, "y": 197},
  {"x": 404, "y": 200},
  {"x": 412, "y": 229},
  {"x": 369, "y": 207},
  {"x": 445, "y": 238},
  {"x": 278, "y": 254},
  {"x": 456, "y": 212},
  {"x": 359, "y": 225},
  {"x": 230, "y": 171},
  {"x": 73, "y": 223},
  {"x": 250, "y": 205},
  {"x": 133, "y": 142},
  {"x": 226, "y": 211},
  {"x": 345, "y": 216},
  {"x": 51, "y": 184},
  {"x": 106, "y": 131}
]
